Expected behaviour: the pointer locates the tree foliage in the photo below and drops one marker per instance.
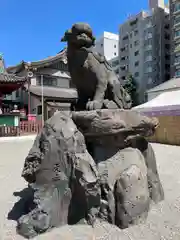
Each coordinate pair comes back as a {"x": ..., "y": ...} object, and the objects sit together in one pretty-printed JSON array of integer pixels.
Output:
[{"x": 132, "y": 88}]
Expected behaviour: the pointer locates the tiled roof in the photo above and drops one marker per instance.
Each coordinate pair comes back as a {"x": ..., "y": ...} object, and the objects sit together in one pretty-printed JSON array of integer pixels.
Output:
[
  {"x": 171, "y": 84},
  {"x": 61, "y": 56},
  {"x": 65, "y": 94},
  {"x": 6, "y": 78},
  {"x": 59, "y": 104}
]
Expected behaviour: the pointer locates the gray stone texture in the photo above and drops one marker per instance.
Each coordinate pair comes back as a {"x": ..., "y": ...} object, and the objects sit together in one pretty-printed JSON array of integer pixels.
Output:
[
  {"x": 63, "y": 176},
  {"x": 115, "y": 183},
  {"x": 125, "y": 161},
  {"x": 91, "y": 73}
]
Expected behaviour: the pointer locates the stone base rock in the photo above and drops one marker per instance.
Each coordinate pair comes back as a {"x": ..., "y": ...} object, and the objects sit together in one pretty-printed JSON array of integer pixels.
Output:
[
  {"x": 125, "y": 185},
  {"x": 63, "y": 176},
  {"x": 102, "y": 169}
]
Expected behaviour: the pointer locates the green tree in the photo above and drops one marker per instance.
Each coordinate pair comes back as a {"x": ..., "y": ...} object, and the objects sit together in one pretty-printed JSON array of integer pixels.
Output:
[{"x": 131, "y": 87}]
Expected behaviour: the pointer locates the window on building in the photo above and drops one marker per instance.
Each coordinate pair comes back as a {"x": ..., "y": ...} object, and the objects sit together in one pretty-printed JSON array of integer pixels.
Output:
[
  {"x": 115, "y": 46},
  {"x": 123, "y": 77},
  {"x": 167, "y": 26},
  {"x": 115, "y": 63},
  {"x": 167, "y": 77},
  {"x": 177, "y": 33},
  {"x": 167, "y": 46},
  {"x": 125, "y": 37},
  {"x": 136, "y": 43},
  {"x": 149, "y": 80},
  {"x": 123, "y": 68},
  {"x": 148, "y": 42},
  {"x": 131, "y": 35},
  {"x": 136, "y": 53},
  {"x": 136, "y": 74},
  {"x": 130, "y": 45},
  {"x": 124, "y": 58},
  {"x": 167, "y": 36},
  {"x": 136, "y": 32},
  {"x": 133, "y": 22},
  {"x": 39, "y": 110},
  {"x": 17, "y": 93},
  {"x": 176, "y": 6},
  {"x": 47, "y": 81},
  {"x": 114, "y": 53},
  {"x": 101, "y": 44},
  {"x": 149, "y": 24},
  {"x": 117, "y": 71},
  {"x": 176, "y": 20},
  {"x": 167, "y": 57},
  {"x": 136, "y": 64},
  {"x": 177, "y": 73},
  {"x": 126, "y": 47},
  {"x": 147, "y": 54},
  {"x": 167, "y": 67},
  {"x": 148, "y": 69},
  {"x": 177, "y": 59}
]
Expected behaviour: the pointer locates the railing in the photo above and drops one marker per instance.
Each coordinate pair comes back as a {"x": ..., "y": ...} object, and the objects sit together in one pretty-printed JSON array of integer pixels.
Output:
[
  {"x": 30, "y": 127},
  {"x": 6, "y": 131},
  {"x": 25, "y": 128}
]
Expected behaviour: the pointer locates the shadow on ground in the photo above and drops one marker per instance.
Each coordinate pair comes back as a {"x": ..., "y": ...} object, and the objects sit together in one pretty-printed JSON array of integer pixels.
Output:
[{"x": 21, "y": 207}]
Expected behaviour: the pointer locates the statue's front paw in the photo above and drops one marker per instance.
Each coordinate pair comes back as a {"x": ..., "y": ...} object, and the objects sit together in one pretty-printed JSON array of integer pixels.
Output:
[{"x": 93, "y": 105}]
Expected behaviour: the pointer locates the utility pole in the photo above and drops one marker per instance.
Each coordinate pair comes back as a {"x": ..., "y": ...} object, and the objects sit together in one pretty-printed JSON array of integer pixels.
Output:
[{"x": 42, "y": 100}]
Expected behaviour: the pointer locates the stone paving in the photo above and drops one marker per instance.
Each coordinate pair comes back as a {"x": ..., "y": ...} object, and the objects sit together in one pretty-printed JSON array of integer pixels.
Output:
[{"x": 163, "y": 222}]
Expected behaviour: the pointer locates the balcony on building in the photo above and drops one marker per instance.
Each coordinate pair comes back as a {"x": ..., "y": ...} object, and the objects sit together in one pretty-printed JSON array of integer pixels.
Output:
[
  {"x": 148, "y": 47},
  {"x": 148, "y": 70},
  {"x": 177, "y": 60},
  {"x": 148, "y": 58},
  {"x": 148, "y": 36},
  {"x": 149, "y": 25},
  {"x": 176, "y": 8},
  {"x": 124, "y": 48},
  {"x": 177, "y": 73},
  {"x": 124, "y": 58},
  {"x": 124, "y": 68},
  {"x": 177, "y": 35},
  {"x": 177, "y": 48},
  {"x": 176, "y": 22}
]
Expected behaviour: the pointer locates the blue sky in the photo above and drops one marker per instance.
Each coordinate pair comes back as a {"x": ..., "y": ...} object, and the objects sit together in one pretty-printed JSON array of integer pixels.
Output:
[{"x": 31, "y": 30}]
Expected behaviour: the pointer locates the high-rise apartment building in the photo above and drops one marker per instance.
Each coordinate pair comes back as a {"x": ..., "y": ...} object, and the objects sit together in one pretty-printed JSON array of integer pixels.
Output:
[
  {"x": 156, "y": 3},
  {"x": 144, "y": 48},
  {"x": 175, "y": 37}
]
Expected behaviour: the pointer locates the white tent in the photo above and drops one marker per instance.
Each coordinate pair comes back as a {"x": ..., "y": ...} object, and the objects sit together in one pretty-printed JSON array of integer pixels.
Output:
[{"x": 165, "y": 101}]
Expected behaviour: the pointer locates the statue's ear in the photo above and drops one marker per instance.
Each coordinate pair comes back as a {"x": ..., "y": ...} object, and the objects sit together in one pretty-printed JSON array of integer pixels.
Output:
[{"x": 66, "y": 34}]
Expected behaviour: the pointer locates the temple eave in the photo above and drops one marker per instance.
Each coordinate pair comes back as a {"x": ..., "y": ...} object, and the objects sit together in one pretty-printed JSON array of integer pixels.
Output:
[
  {"x": 61, "y": 56},
  {"x": 53, "y": 94}
]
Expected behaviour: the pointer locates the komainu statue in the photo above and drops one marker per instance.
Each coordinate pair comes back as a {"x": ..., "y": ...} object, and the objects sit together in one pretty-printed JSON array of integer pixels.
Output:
[
  {"x": 93, "y": 164},
  {"x": 91, "y": 73}
]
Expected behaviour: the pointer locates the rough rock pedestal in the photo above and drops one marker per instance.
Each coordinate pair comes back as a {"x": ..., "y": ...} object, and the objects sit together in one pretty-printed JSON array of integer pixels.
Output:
[
  {"x": 94, "y": 164},
  {"x": 125, "y": 160}
]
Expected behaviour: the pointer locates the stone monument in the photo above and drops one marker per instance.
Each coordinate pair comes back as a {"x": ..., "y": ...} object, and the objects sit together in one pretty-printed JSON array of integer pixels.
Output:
[{"x": 94, "y": 163}]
